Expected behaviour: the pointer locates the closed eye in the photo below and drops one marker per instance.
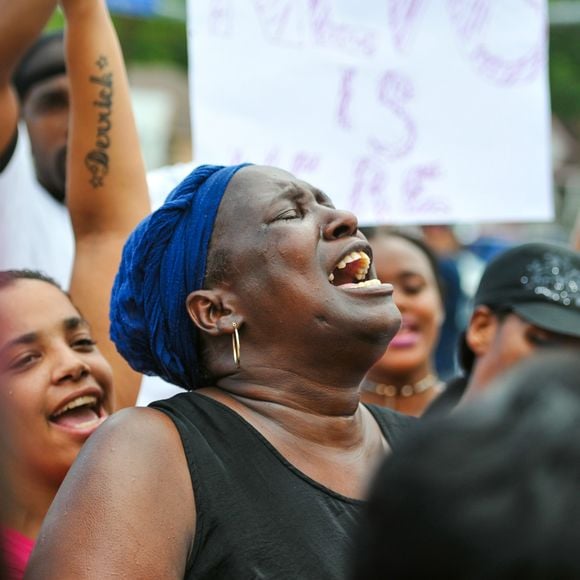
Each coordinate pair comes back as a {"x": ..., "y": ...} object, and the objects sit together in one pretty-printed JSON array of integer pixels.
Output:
[
  {"x": 413, "y": 289},
  {"x": 289, "y": 214},
  {"x": 24, "y": 361},
  {"x": 411, "y": 283}
]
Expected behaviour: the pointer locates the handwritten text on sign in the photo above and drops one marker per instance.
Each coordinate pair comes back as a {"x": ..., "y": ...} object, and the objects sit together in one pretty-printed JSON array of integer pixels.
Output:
[{"x": 405, "y": 111}]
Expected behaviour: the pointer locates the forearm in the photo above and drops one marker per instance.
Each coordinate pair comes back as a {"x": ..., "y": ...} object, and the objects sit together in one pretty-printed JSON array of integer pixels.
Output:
[{"x": 106, "y": 187}]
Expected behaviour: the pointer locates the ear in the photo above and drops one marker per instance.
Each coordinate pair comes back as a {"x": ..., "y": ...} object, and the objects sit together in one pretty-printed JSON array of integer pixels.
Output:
[
  {"x": 481, "y": 330},
  {"x": 212, "y": 311}
]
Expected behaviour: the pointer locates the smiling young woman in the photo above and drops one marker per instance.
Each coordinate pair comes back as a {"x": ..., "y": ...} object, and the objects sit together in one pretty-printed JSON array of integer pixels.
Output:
[
  {"x": 404, "y": 377},
  {"x": 259, "y": 471},
  {"x": 56, "y": 383}
]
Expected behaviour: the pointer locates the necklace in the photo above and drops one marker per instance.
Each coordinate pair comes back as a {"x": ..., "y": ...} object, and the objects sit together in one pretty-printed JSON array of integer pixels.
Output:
[{"x": 406, "y": 391}]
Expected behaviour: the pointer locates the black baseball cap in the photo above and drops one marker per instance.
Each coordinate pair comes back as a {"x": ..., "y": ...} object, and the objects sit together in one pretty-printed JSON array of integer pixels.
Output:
[{"x": 540, "y": 282}]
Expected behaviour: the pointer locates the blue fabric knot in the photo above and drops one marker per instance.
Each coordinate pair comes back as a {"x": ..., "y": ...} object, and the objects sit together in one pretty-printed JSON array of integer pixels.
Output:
[{"x": 163, "y": 261}]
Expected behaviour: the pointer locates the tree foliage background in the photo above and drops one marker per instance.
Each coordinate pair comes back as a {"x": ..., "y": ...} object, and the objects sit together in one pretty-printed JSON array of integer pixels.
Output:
[{"x": 565, "y": 74}]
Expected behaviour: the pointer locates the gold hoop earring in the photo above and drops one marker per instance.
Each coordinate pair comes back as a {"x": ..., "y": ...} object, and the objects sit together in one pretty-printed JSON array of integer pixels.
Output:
[{"x": 236, "y": 345}]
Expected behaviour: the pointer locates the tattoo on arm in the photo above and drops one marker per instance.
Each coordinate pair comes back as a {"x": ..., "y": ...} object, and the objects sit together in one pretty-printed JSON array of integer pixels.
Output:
[{"x": 97, "y": 159}]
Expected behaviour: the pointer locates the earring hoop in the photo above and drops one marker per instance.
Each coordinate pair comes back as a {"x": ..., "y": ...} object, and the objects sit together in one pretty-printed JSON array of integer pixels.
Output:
[{"x": 236, "y": 345}]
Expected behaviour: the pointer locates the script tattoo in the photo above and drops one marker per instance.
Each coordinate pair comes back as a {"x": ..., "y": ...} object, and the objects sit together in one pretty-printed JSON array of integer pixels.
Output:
[{"x": 97, "y": 159}]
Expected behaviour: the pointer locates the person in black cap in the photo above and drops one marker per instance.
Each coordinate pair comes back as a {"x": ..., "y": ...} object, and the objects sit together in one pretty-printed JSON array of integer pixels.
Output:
[{"x": 528, "y": 298}]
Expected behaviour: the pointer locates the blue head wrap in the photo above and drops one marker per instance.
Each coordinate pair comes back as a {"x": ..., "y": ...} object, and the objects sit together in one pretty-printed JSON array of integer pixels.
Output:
[{"x": 164, "y": 260}]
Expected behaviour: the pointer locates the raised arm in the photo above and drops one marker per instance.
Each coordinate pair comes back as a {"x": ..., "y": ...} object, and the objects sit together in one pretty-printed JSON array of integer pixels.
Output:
[
  {"x": 20, "y": 25},
  {"x": 106, "y": 187}
]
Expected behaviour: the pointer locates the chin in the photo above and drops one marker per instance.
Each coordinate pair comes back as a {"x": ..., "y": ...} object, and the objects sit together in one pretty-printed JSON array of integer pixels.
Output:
[
  {"x": 392, "y": 322},
  {"x": 405, "y": 359},
  {"x": 393, "y": 365},
  {"x": 380, "y": 339}
]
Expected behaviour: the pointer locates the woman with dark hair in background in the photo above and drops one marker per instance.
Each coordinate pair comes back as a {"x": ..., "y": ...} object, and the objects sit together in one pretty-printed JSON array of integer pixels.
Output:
[{"x": 404, "y": 378}]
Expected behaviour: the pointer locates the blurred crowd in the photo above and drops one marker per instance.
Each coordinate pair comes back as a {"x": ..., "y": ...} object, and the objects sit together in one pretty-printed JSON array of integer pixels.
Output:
[{"x": 213, "y": 372}]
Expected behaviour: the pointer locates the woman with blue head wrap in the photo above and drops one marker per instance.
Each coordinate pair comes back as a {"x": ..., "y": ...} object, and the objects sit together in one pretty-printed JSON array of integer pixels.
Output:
[{"x": 250, "y": 290}]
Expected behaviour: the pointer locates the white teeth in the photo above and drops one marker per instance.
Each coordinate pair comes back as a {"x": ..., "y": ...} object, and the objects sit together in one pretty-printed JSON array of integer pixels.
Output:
[
  {"x": 78, "y": 402},
  {"x": 367, "y": 283},
  {"x": 363, "y": 267},
  {"x": 352, "y": 257}
]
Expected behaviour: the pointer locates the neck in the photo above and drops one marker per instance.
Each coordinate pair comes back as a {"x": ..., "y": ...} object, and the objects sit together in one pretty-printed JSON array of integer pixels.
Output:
[
  {"x": 327, "y": 414},
  {"x": 30, "y": 499}
]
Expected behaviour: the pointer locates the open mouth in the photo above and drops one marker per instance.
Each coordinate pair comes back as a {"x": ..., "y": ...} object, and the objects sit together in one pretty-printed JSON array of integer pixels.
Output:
[
  {"x": 83, "y": 412},
  {"x": 353, "y": 271},
  {"x": 408, "y": 335},
  {"x": 408, "y": 326}
]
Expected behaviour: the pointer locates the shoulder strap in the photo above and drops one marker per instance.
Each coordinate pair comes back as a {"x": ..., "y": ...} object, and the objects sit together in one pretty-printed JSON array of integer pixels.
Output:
[{"x": 393, "y": 424}]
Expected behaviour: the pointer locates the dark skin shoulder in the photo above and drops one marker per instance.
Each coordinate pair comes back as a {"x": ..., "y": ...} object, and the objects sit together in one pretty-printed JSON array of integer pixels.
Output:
[{"x": 130, "y": 479}]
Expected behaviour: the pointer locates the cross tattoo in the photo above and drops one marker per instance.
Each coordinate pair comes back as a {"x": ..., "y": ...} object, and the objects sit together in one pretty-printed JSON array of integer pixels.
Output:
[
  {"x": 96, "y": 181},
  {"x": 102, "y": 62}
]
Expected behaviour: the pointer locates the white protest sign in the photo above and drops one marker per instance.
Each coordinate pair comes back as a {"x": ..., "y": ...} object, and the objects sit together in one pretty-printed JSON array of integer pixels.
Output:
[{"x": 404, "y": 111}]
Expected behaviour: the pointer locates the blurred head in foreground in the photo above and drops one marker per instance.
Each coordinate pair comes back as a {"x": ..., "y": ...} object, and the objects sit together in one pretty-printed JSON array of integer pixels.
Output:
[{"x": 488, "y": 492}]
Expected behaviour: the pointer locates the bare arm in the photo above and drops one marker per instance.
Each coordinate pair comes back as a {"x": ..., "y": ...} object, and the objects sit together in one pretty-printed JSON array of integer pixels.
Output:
[
  {"x": 20, "y": 25},
  {"x": 125, "y": 509},
  {"x": 106, "y": 186}
]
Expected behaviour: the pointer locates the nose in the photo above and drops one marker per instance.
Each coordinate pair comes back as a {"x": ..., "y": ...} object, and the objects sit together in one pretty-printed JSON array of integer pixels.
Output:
[
  {"x": 70, "y": 367},
  {"x": 341, "y": 224}
]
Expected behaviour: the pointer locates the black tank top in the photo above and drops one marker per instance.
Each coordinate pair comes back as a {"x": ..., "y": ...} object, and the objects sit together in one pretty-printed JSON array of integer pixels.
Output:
[{"x": 257, "y": 515}]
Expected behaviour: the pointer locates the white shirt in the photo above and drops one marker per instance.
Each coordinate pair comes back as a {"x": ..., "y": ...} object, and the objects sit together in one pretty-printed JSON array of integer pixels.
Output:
[{"x": 35, "y": 230}]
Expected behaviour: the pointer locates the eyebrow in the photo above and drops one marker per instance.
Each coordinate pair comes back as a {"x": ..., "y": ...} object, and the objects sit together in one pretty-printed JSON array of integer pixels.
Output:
[
  {"x": 28, "y": 338},
  {"x": 321, "y": 197},
  {"x": 294, "y": 191},
  {"x": 74, "y": 322},
  {"x": 31, "y": 337}
]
